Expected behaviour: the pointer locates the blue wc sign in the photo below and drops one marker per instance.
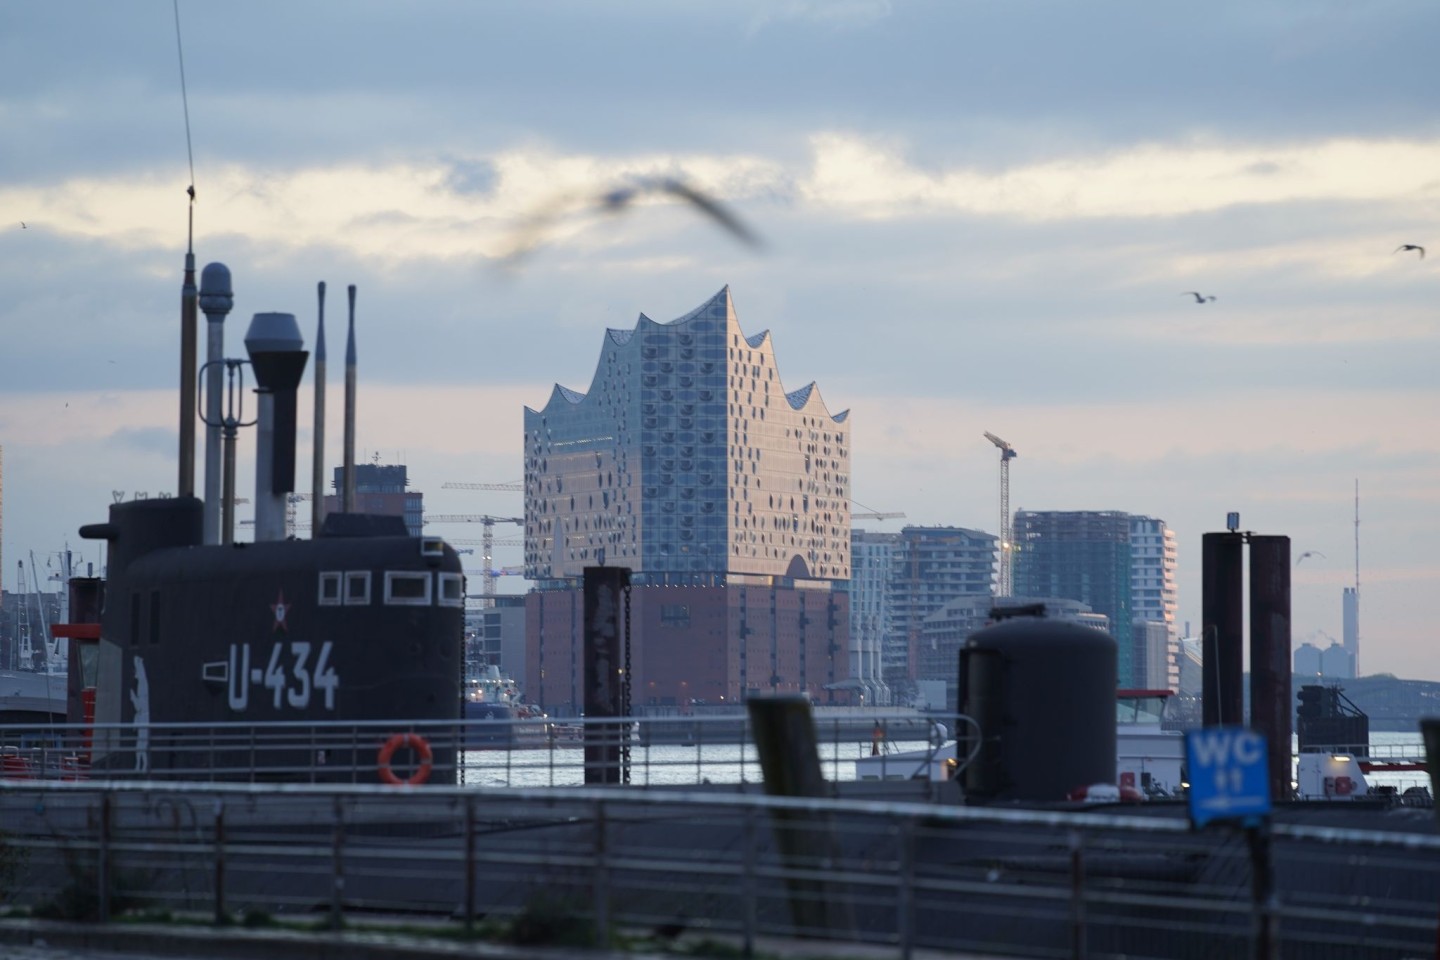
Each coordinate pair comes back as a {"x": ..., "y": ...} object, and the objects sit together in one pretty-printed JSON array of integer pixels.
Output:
[{"x": 1228, "y": 775}]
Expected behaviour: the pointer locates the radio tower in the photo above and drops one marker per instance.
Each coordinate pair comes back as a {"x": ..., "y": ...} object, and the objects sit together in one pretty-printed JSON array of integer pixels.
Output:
[{"x": 1004, "y": 586}]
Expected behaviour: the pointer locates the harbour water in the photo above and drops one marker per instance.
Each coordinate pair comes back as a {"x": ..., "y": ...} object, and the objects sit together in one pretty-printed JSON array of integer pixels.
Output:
[
  {"x": 651, "y": 765},
  {"x": 730, "y": 763}
]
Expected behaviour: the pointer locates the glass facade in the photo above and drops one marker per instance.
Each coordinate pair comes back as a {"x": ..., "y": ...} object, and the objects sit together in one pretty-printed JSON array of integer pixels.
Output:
[
  {"x": 1080, "y": 555},
  {"x": 688, "y": 461}
]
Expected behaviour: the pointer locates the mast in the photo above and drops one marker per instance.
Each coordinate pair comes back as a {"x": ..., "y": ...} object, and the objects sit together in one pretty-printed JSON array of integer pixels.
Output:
[
  {"x": 189, "y": 296},
  {"x": 317, "y": 462},
  {"x": 347, "y": 491}
]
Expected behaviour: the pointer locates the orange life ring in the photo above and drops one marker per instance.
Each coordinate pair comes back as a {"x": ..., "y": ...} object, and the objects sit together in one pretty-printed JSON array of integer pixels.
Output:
[{"x": 422, "y": 750}]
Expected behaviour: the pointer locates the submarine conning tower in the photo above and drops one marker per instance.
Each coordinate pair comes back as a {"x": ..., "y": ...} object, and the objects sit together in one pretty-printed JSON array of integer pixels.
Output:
[{"x": 139, "y": 527}]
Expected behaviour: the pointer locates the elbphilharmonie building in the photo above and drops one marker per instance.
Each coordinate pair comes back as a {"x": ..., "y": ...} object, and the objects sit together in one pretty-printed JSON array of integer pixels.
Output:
[{"x": 688, "y": 462}]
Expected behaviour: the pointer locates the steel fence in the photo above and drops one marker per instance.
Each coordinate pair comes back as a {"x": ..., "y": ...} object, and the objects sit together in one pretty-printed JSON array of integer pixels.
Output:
[{"x": 611, "y": 865}]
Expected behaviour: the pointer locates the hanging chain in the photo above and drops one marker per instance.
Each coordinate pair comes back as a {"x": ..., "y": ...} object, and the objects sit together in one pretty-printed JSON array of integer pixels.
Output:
[{"x": 625, "y": 699}]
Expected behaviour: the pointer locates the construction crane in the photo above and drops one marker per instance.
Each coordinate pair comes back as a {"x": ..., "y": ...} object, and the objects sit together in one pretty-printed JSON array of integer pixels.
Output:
[
  {"x": 512, "y": 485},
  {"x": 487, "y": 543},
  {"x": 291, "y": 520},
  {"x": 1006, "y": 586},
  {"x": 515, "y": 571},
  {"x": 867, "y": 514}
]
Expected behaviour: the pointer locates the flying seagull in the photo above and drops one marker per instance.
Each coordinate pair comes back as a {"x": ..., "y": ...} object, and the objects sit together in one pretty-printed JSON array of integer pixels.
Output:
[
  {"x": 1309, "y": 553},
  {"x": 22, "y": 225},
  {"x": 619, "y": 199},
  {"x": 1199, "y": 297},
  {"x": 1411, "y": 246}
]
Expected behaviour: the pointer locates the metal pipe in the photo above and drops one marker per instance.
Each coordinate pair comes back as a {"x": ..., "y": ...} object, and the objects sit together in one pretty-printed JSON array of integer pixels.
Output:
[
  {"x": 347, "y": 496},
  {"x": 276, "y": 357},
  {"x": 216, "y": 299},
  {"x": 1270, "y": 708},
  {"x": 269, "y": 506},
  {"x": 1222, "y": 624},
  {"x": 231, "y": 430},
  {"x": 317, "y": 470}
]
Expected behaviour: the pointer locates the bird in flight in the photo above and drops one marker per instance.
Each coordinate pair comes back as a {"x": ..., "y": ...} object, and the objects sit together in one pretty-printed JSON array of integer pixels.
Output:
[
  {"x": 1411, "y": 246},
  {"x": 1309, "y": 553},
  {"x": 619, "y": 199},
  {"x": 1199, "y": 297},
  {"x": 22, "y": 225}
]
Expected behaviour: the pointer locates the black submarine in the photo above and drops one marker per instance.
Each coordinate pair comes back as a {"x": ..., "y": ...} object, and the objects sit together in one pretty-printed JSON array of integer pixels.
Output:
[{"x": 364, "y": 622}]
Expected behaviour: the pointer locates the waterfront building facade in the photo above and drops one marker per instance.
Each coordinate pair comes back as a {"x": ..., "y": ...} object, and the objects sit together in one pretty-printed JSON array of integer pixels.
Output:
[
  {"x": 1080, "y": 555},
  {"x": 872, "y": 611},
  {"x": 382, "y": 488},
  {"x": 727, "y": 497},
  {"x": 1152, "y": 653},
  {"x": 931, "y": 567},
  {"x": 1154, "y": 595},
  {"x": 495, "y": 637}
]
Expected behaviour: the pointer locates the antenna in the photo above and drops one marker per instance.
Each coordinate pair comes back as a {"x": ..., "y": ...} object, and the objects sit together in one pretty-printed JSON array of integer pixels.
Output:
[{"x": 188, "y": 296}]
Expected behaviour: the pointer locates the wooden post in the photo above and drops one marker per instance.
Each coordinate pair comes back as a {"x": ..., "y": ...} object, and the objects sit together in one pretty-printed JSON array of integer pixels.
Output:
[{"x": 790, "y": 761}]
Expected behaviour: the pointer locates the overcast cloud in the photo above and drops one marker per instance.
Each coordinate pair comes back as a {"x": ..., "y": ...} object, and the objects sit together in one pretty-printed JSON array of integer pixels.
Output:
[{"x": 977, "y": 216}]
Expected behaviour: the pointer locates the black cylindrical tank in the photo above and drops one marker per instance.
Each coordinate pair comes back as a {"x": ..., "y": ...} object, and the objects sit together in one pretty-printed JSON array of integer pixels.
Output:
[{"x": 1043, "y": 693}]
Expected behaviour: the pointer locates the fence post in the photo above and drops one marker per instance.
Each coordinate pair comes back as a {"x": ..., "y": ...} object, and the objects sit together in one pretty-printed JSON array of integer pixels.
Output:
[
  {"x": 1077, "y": 895},
  {"x": 220, "y": 861},
  {"x": 602, "y": 881},
  {"x": 905, "y": 894},
  {"x": 102, "y": 866},
  {"x": 337, "y": 879},
  {"x": 751, "y": 854},
  {"x": 469, "y": 864},
  {"x": 1266, "y": 933}
]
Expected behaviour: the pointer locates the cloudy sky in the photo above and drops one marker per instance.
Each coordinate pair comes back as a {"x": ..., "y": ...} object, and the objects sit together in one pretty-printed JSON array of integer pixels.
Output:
[{"x": 976, "y": 216}]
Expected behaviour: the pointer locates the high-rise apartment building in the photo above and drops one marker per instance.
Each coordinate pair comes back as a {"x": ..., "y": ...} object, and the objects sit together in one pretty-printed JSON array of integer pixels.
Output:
[
  {"x": 1154, "y": 596},
  {"x": 1081, "y": 555},
  {"x": 1154, "y": 599},
  {"x": 872, "y": 614},
  {"x": 727, "y": 497},
  {"x": 931, "y": 567}
]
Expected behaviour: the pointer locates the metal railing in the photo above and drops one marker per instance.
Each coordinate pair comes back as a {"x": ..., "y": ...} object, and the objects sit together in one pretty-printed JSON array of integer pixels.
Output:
[
  {"x": 663, "y": 751},
  {"x": 608, "y": 866}
]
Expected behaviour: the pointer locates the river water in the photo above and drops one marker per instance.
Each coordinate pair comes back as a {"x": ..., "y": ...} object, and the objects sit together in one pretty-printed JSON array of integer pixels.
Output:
[
  {"x": 656, "y": 764},
  {"x": 729, "y": 763}
]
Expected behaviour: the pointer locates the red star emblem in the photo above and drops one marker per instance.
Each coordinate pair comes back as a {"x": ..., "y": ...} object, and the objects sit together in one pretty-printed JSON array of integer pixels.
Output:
[{"x": 281, "y": 608}]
